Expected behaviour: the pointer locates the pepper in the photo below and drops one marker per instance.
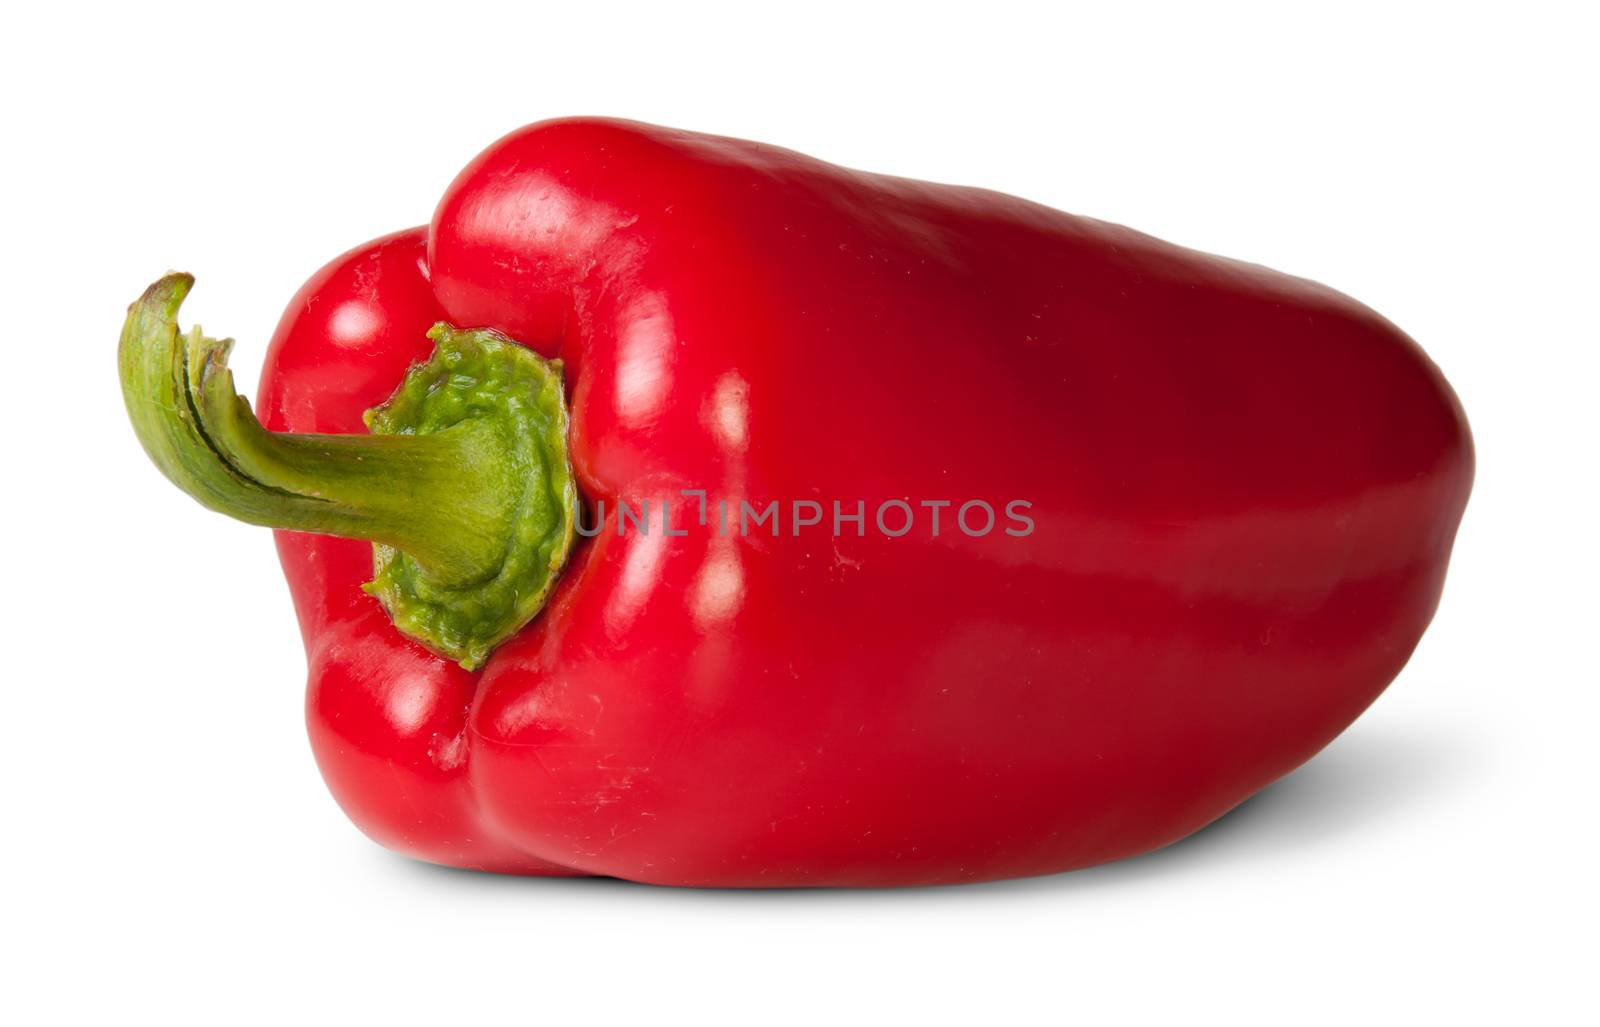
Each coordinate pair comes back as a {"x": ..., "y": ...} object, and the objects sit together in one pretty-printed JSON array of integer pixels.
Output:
[{"x": 692, "y": 511}]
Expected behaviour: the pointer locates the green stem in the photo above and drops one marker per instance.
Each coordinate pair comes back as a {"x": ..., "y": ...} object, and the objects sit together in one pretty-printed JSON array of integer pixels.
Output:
[{"x": 464, "y": 485}]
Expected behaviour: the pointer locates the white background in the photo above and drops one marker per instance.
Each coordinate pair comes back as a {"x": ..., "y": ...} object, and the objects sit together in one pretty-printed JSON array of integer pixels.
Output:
[{"x": 169, "y": 846}]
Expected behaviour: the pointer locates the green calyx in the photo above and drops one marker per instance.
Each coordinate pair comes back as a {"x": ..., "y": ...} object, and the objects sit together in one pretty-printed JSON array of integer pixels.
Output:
[
  {"x": 481, "y": 382},
  {"x": 464, "y": 485}
]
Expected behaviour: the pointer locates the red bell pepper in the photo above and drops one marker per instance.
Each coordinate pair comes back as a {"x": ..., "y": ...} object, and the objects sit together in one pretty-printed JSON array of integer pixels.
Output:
[{"x": 999, "y": 541}]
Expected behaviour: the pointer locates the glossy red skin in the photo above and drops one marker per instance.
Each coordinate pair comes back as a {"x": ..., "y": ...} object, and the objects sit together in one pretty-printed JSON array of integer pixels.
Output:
[{"x": 1245, "y": 488}]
